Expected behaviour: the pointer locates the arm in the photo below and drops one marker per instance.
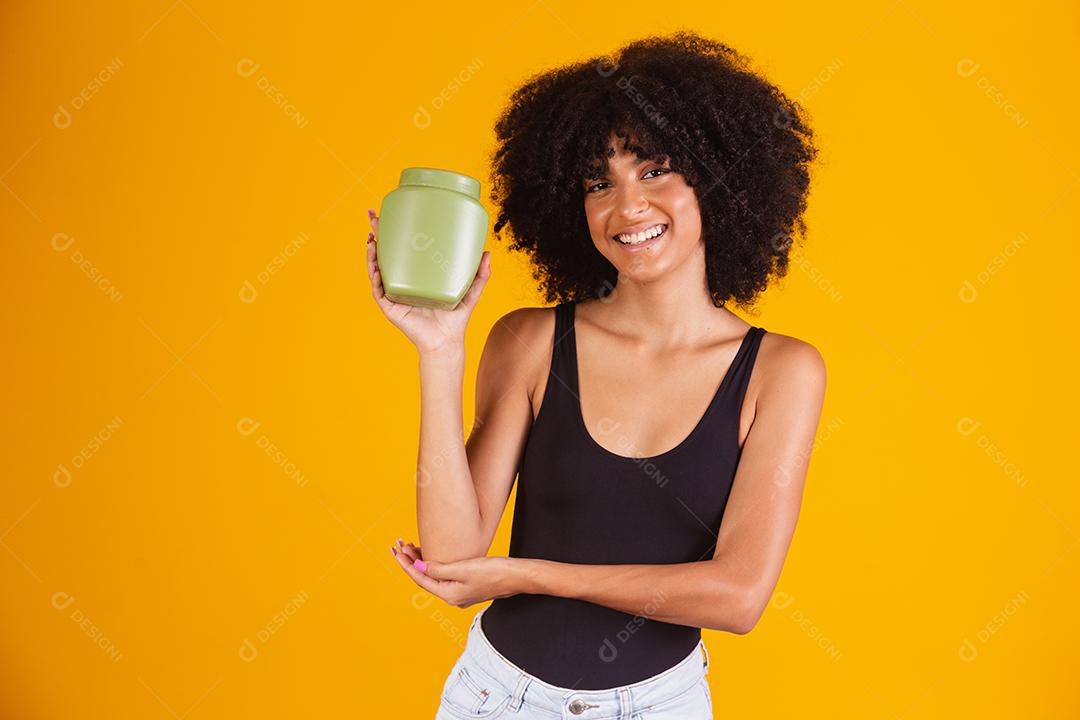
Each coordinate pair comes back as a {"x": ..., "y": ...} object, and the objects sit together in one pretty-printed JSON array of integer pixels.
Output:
[
  {"x": 448, "y": 517},
  {"x": 730, "y": 591},
  {"x": 462, "y": 488}
]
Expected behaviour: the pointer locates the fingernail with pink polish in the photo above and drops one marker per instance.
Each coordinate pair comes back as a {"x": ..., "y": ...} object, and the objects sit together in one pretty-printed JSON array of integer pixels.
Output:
[{"x": 420, "y": 565}]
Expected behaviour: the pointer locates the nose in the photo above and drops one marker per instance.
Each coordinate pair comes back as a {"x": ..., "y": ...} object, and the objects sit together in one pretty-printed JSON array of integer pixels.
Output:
[{"x": 631, "y": 201}]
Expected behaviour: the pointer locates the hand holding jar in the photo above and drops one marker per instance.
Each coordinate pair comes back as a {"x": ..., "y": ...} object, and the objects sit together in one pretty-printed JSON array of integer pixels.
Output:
[{"x": 427, "y": 266}]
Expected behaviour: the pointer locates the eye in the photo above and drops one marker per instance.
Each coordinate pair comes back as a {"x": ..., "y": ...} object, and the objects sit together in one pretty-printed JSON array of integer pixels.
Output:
[{"x": 654, "y": 170}]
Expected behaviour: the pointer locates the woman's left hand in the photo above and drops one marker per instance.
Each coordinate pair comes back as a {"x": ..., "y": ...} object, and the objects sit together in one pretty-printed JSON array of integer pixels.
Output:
[{"x": 464, "y": 582}]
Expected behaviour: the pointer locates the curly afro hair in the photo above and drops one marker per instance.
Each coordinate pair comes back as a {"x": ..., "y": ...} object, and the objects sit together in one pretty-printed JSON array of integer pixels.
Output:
[{"x": 742, "y": 144}]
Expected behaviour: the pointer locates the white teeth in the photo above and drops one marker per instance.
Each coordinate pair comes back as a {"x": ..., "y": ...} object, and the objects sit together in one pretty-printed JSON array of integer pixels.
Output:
[{"x": 638, "y": 238}]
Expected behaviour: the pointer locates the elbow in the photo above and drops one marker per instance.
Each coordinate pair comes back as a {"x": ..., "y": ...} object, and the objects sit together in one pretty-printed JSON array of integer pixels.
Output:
[
  {"x": 452, "y": 551},
  {"x": 744, "y": 623},
  {"x": 746, "y": 612}
]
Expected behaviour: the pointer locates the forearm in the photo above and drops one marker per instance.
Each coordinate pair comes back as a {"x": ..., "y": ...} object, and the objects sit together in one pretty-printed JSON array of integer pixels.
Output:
[
  {"x": 447, "y": 510},
  {"x": 707, "y": 594}
]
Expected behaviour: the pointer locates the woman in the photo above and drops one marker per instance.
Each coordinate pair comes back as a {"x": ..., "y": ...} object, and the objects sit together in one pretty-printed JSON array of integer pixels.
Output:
[{"x": 660, "y": 441}]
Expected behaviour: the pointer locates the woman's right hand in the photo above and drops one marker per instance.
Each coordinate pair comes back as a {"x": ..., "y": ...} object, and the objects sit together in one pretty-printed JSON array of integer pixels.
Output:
[{"x": 430, "y": 330}]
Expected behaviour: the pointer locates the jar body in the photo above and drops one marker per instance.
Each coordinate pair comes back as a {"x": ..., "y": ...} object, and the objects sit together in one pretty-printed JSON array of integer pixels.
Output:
[{"x": 430, "y": 241}]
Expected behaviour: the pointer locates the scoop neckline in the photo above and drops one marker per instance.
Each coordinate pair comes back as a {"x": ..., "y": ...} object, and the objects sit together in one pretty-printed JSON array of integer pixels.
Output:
[{"x": 743, "y": 345}]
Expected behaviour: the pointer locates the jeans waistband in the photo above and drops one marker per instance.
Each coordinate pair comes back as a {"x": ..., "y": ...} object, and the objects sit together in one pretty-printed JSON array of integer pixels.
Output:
[{"x": 618, "y": 702}]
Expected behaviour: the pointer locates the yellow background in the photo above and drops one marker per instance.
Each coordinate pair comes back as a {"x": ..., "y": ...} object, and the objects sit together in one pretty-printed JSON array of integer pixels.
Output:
[{"x": 212, "y": 430}]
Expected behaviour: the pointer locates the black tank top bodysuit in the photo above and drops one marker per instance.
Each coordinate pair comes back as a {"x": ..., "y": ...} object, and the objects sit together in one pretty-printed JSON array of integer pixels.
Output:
[{"x": 578, "y": 502}]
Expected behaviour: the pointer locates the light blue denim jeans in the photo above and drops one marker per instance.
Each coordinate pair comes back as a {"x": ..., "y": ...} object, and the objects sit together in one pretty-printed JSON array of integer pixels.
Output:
[{"x": 484, "y": 684}]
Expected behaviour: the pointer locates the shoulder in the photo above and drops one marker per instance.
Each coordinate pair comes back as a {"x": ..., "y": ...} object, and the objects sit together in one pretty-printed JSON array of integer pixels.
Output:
[
  {"x": 791, "y": 354},
  {"x": 785, "y": 363},
  {"x": 521, "y": 342},
  {"x": 524, "y": 327}
]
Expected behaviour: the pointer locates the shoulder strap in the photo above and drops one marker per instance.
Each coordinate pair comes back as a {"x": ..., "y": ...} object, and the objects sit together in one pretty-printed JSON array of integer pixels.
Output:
[
  {"x": 564, "y": 352},
  {"x": 744, "y": 365}
]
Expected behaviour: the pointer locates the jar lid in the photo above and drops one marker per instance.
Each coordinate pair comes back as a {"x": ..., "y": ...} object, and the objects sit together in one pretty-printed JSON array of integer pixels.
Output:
[{"x": 445, "y": 179}]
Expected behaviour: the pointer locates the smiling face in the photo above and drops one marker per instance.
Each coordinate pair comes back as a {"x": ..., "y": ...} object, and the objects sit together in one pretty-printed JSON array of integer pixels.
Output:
[{"x": 642, "y": 215}]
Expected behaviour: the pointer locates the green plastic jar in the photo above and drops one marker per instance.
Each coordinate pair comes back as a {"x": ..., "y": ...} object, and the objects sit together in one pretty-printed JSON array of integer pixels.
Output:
[{"x": 432, "y": 229}]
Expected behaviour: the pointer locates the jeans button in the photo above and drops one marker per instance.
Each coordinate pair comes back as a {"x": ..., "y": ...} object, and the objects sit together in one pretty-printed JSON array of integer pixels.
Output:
[{"x": 577, "y": 707}]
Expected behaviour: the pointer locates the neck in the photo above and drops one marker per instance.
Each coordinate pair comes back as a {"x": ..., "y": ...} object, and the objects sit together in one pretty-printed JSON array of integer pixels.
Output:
[{"x": 666, "y": 312}]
